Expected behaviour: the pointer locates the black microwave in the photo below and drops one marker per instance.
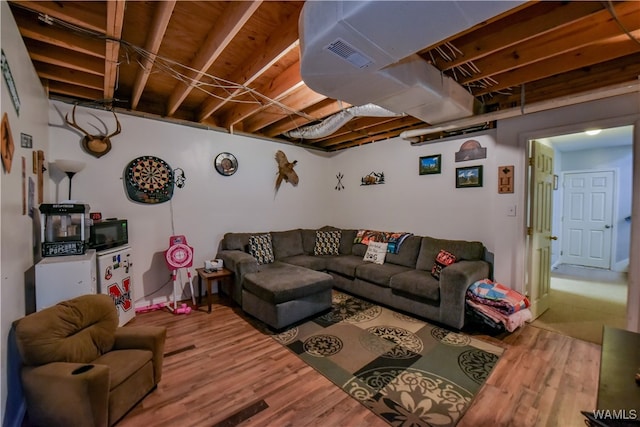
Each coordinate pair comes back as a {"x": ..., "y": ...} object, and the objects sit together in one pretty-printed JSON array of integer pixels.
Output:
[{"x": 108, "y": 233}]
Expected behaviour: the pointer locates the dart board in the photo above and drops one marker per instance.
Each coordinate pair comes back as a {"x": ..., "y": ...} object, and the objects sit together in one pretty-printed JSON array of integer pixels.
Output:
[{"x": 149, "y": 179}]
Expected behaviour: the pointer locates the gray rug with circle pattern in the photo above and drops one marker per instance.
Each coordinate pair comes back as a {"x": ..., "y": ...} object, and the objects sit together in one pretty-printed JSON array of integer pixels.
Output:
[{"x": 408, "y": 372}]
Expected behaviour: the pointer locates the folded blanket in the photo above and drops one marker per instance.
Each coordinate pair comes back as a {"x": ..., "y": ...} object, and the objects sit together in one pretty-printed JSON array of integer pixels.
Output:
[
  {"x": 393, "y": 240},
  {"x": 498, "y": 296},
  {"x": 510, "y": 322}
]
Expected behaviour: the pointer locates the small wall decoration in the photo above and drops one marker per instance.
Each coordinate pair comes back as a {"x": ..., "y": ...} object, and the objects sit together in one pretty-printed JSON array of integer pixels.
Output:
[
  {"x": 430, "y": 164},
  {"x": 226, "y": 164},
  {"x": 40, "y": 174},
  {"x": 26, "y": 141},
  {"x": 96, "y": 145},
  {"x": 11, "y": 84},
  {"x": 285, "y": 170},
  {"x": 471, "y": 150},
  {"x": 339, "y": 185},
  {"x": 469, "y": 177},
  {"x": 505, "y": 179},
  {"x": 31, "y": 196},
  {"x": 373, "y": 178},
  {"x": 149, "y": 179},
  {"x": 7, "y": 148}
]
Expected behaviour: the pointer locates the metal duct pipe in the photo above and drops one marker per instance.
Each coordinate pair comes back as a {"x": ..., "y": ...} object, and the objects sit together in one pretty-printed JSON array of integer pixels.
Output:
[
  {"x": 614, "y": 90},
  {"x": 335, "y": 122}
]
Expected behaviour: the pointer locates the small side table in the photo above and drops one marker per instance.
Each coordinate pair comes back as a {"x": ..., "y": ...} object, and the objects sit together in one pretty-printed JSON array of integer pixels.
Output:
[{"x": 210, "y": 277}]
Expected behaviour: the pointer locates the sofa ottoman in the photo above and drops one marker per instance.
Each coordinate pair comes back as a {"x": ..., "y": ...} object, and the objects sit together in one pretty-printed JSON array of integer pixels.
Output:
[{"x": 281, "y": 294}]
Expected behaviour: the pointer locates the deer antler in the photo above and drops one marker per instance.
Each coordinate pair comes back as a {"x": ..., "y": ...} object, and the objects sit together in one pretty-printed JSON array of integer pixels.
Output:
[
  {"x": 74, "y": 124},
  {"x": 118, "y": 127},
  {"x": 96, "y": 145}
]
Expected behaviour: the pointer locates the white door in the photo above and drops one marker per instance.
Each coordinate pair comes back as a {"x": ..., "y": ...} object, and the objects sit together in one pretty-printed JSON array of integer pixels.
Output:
[
  {"x": 539, "y": 231},
  {"x": 587, "y": 220}
]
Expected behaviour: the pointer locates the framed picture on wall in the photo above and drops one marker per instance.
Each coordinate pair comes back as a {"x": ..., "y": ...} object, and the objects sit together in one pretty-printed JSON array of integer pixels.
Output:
[
  {"x": 469, "y": 177},
  {"x": 430, "y": 164}
]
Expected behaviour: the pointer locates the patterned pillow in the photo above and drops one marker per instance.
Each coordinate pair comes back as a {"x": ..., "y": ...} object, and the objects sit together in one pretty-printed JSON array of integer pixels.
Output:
[
  {"x": 260, "y": 248},
  {"x": 376, "y": 252},
  {"x": 443, "y": 259},
  {"x": 327, "y": 242}
]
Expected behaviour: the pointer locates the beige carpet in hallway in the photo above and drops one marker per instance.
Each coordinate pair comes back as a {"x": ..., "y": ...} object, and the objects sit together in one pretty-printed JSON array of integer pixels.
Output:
[{"x": 581, "y": 306}]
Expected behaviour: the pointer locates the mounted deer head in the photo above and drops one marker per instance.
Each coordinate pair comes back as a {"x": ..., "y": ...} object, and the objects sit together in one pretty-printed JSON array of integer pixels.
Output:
[{"x": 96, "y": 145}]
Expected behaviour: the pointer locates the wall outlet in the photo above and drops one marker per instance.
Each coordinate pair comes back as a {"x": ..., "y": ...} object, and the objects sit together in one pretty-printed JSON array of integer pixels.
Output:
[{"x": 511, "y": 210}]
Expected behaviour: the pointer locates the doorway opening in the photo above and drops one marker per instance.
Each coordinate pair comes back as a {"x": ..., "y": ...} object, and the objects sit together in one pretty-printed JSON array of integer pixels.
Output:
[{"x": 590, "y": 236}]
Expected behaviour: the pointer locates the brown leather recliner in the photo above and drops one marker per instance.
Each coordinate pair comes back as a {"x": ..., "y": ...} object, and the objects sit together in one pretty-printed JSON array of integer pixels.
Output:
[{"x": 80, "y": 369}]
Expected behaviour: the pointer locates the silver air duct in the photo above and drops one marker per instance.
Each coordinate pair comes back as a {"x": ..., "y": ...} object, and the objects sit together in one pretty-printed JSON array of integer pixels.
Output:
[{"x": 335, "y": 122}]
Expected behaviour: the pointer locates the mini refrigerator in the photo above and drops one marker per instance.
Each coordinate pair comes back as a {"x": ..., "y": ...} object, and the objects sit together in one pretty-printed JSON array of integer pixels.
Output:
[
  {"x": 64, "y": 277},
  {"x": 114, "y": 278}
]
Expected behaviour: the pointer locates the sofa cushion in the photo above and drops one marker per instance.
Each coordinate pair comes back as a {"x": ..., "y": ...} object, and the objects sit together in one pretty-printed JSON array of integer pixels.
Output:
[
  {"x": 308, "y": 240},
  {"x": 443, "y": 259},
  {"x": 286, "y": 243},
  {"x": 359, "y": 249},
  {"x": 416, "y": 283},
  {"x": 379, "y": 274},
  {"x": 237, "y": 241},
  {"x": 408, "y": 253},
  {"x": 327, "y": 242},
  {"x": 123, "y": 364},
  {"x": 318, "y": 263},
  {"x": 462, "y": 249},
  {"x": 346, "y": 241},
  {"x": 261, "y": 248},
  {"x": 280, "y": 282},
  {"x": 376, "y": 252},
  {"x": 345, "y": 264}
]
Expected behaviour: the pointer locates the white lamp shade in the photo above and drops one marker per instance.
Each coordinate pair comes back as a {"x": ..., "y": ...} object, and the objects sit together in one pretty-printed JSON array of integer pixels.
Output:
[{"x": 73, "y": 166}]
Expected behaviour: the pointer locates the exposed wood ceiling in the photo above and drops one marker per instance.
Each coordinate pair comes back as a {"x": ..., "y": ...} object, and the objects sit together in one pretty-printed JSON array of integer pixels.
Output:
[{"x": 235, "y": 65}]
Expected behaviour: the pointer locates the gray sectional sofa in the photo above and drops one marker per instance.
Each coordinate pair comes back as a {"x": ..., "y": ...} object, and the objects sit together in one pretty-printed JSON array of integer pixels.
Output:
[{"x": 297, "y": 283}]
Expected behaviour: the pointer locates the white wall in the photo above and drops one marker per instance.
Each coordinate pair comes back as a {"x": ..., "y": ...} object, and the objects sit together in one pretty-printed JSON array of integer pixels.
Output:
[
  {"x": 209, "y": 204},
  {"x": 428, "y": 205},
  {"x": 16, "y": 246}
]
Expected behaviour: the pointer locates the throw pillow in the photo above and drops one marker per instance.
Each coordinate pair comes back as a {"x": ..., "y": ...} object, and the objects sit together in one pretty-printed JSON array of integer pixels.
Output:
[
  {"x": 376, "y": 252},
  {"x": 327, "y": 242},
  {"x": 443, "y": 259},
  {"x": 261, "y": 248}
]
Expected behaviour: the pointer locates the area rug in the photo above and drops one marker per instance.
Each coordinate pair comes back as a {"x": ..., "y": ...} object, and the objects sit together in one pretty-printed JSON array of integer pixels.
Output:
[{"x": 408, "y": 372}]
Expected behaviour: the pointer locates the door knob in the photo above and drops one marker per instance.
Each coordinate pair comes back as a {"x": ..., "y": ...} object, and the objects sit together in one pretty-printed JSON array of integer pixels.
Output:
[
  {"x": 553, "y": 237},
  {"x": 607, "y": 226}
]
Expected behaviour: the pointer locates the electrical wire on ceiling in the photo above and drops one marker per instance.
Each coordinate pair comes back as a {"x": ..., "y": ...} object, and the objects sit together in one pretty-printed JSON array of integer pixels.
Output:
[
  {"x": 172, "y": 68},
  {"x": 448, "y": 52},
  {"x": 612, "y": 10}
]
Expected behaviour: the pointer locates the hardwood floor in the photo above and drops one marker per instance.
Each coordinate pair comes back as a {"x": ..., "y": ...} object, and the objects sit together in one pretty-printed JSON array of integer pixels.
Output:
[{"x": 221, "y": 369}]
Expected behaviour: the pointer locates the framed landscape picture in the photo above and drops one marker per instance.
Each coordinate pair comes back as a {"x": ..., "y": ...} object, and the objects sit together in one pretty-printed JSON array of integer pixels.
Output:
[
  {"x": 469, "y": 177},
  {"x": 430, "y": 164}
]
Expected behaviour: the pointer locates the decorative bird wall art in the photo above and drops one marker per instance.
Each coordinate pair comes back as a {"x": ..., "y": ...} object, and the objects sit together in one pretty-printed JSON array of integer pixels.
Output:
[{"x": 285, "y": 170}]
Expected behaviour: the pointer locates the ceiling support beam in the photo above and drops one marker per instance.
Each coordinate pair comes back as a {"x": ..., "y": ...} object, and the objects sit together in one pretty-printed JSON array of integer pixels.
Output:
[
  {"x": 161, "y": 18},
  {"x": 275, "y": 47},
  {"x": 558, "y": 44},
  {"x": 284, "y": 84},
  {"x": 236, "y": 15},
  {"x": 115, "y": 19}
]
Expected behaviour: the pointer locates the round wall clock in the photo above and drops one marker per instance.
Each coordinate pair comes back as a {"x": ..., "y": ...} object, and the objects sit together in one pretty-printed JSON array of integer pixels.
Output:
[
  {"x": 226, "y": 164},
  {"x": 149, "y": 179}
]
